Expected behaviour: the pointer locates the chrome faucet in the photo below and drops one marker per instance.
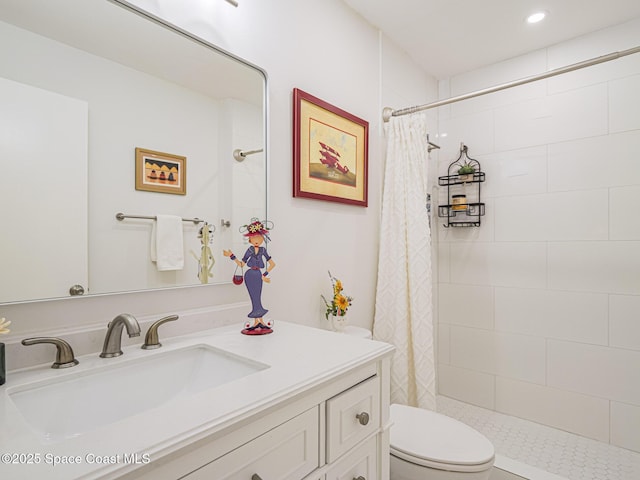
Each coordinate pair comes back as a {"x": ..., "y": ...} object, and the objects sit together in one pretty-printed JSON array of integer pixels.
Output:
[
  {"x": 64, "y": 352},
  {"x": 113, "y": 338},
  {"x": 151, "y": 339}
]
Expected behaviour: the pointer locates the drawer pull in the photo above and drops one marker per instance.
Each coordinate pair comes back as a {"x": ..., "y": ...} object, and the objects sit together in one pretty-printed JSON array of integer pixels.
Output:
[
  {"x": 255, "y": 476},
  {"x": 359, "y": 478},
  {"x": 363, "y": 418}
]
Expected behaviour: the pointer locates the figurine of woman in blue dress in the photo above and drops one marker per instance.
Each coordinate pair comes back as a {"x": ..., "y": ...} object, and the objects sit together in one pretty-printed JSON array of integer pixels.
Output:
[{"x": 254, "y": 258}]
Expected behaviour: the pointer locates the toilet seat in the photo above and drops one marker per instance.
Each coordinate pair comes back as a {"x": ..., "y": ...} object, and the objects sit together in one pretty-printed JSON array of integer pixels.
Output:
[{"x": 433, "y": 440}]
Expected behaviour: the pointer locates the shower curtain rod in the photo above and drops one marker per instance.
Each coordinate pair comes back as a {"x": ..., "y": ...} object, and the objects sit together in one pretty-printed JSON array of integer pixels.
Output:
[{"x": 388, "y": 112}]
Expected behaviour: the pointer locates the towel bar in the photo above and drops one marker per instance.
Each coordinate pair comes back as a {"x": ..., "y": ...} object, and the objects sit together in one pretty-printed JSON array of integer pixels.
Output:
[{"x": 122, "y": 216}]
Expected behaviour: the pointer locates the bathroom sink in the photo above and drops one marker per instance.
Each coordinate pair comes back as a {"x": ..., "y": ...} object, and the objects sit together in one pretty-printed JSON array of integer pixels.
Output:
[{"x": 66, "y": 408}]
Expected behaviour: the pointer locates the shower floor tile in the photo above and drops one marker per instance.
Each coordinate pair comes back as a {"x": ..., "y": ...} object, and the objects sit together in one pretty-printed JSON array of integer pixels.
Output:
[{"x": 556, "y": 451}]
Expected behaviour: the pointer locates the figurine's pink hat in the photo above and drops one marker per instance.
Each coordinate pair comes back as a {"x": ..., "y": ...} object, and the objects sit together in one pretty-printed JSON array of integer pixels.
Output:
[{"x": 256, "y": 227}]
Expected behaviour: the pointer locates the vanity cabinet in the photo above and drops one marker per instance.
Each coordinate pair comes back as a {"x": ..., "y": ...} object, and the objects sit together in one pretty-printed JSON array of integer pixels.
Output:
[
  {"x": 288, "y": 452},
  {"x": 338, "y": 430},
  {"x": 311, "y": 405}
]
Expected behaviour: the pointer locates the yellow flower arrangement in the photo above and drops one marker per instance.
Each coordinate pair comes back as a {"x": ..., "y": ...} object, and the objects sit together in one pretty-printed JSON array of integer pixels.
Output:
[
  {"x": 4, "y": 323},
  {"x": 339, "y": 303}
]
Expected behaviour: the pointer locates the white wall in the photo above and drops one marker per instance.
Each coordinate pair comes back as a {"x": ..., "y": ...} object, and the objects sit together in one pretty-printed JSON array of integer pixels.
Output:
[
  {"x": 538, "y": 307},
  {"x": 289, "y": 39}
]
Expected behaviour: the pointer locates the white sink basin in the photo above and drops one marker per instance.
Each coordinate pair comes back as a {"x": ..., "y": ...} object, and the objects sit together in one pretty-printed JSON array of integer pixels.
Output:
[{"x": 60, "y": 409}]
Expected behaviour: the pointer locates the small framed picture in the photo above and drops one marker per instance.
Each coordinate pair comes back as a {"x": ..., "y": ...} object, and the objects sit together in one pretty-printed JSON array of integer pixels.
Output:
[
  {"x": 330, "y": 152},
  {"x": 161, "y": 172}
]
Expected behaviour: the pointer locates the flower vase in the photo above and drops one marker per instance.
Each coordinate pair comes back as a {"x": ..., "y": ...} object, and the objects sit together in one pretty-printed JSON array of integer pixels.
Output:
[
  {"x": 338, "y": 322},
  {"x": 3, "y": 371}
]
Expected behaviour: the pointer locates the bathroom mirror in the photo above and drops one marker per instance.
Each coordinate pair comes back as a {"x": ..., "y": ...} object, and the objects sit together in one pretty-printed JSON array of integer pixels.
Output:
[{"x": 83, "y": 84}]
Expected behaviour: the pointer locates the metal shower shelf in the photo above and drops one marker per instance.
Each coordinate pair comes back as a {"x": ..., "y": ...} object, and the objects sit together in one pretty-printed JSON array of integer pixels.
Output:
[
  {"x": 461, "y": 179},
  {"x": 459, "y": 185},
  {"x": 469, "y": 209}
]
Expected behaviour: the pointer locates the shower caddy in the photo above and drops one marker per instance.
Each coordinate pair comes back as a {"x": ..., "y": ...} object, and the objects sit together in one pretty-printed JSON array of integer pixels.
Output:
[{"x": 463, "y": 208}]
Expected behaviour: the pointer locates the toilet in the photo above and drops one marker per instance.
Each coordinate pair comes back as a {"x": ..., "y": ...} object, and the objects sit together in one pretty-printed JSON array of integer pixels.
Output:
[{"x": 426, "y": 445}]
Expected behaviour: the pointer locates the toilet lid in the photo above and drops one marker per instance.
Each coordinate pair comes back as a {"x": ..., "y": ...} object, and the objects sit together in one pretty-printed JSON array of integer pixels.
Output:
[{"x": 428, "y": 438}]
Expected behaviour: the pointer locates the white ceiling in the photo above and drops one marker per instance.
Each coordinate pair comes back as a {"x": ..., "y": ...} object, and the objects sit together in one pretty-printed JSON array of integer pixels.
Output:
[{"x": 447, "y": 37}]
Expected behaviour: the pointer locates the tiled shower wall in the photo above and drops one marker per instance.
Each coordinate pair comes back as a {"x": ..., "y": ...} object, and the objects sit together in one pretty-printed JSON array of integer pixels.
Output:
[{"x": 539, "y": 308}]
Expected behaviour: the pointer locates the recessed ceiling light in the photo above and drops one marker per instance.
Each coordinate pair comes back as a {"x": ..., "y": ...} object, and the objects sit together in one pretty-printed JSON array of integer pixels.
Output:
[{"x": 536, "y": 17}]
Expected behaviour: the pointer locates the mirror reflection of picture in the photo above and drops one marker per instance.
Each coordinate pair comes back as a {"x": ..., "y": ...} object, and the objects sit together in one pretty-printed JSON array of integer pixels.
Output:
[{"x": 161, "y": 172}]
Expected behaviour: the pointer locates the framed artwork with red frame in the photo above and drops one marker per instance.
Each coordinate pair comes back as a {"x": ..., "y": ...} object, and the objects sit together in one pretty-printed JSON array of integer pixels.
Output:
[{"x": 330, "y": 152}]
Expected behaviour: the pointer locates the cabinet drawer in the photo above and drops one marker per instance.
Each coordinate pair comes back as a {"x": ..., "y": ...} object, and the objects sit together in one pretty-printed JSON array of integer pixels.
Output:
[
  {"x": 315, "y": 476},
  {"x": 288, "y": 452},
  {"x": 352, "y": 416},
  {"x": 361, "y": 463}
]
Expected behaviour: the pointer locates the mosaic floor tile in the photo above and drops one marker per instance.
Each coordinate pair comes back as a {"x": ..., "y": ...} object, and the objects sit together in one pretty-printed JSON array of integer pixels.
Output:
[{"x": 550, "y": 449}]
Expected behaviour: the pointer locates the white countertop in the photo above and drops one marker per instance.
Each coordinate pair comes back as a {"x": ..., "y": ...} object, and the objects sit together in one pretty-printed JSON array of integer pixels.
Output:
[{"x": 299, "y": 358}]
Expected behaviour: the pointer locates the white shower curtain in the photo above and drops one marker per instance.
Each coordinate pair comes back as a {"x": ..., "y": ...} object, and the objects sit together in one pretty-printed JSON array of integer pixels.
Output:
[{"x": 403, "y": 309}]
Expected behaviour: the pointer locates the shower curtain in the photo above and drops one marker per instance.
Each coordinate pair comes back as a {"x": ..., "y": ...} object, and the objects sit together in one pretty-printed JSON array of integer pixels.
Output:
[{"x": 403, "y": 307}]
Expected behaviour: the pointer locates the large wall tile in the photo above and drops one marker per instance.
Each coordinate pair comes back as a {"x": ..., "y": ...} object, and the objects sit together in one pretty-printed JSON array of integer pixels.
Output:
[
  {"x": 625, "y": 426},
  {"x": 496, "y": 74},
  {"x": 623, "y": 67},
  {"x": 442, "y": 345},
  {"x": 529, "y": 91},
  {"x": 580, "y": 215},
  {"x": 515, "y": 356},
  {"x": 603, "y": 372},
  {"x": 624, "y": 220},
  {"x": 574, "y": 412},
  {"x": 556, "y": 118},
  {"x": 624, "y": 104},
  {"x": 602, "y": 42},
  {"x": 516, "y": 172},
  {"x": 467, "y": 305},
  {"x": 578, "y": 165},
  {"x": 580, "y": 317},
  {"x": 607, "y": 267},
  {"x": 624, "y": 321},
  {"x": 522, "y": 218},
  {"x": 520, "y": 264},
  {"x": 475, "y": 131},
  {"x": 466, "y": 385},
  {"x": 577, "y": 215},
  {"x": 443, "y": 262}
]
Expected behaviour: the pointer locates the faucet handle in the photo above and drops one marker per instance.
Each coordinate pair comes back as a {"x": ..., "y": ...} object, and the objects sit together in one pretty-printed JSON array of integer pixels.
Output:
[
  {"x": 151, "y": 339},
  {"x": 64, "y": 352}
]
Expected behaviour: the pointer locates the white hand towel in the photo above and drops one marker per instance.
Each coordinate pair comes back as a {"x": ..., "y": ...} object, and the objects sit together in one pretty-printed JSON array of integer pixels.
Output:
[{"x": 167, "y": 248}]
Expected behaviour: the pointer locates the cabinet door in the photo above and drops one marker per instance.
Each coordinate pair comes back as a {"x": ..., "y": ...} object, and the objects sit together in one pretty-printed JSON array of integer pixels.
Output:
[
  {"x": 360, "y": 464},
  {"x": 288, "y": 452},
  {"x": 352, "y": 416}
]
